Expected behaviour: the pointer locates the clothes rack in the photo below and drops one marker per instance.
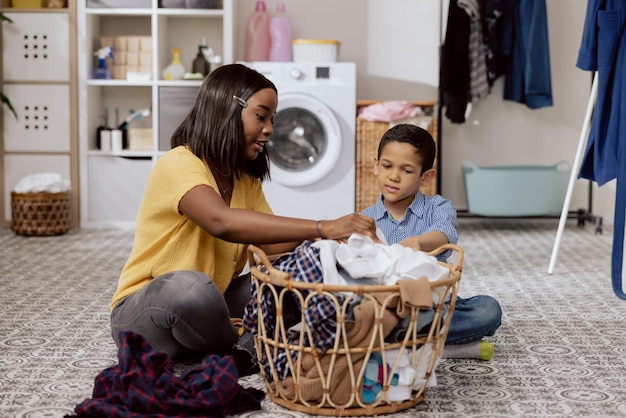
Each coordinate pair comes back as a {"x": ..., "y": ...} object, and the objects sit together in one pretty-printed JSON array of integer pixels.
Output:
[
  {"x": 581, "y": 215},
  {"x": 577, "y": 160}
]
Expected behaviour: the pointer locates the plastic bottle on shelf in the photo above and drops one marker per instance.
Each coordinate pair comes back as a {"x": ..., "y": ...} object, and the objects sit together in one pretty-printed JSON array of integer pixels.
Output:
[
  {"x": 201, "y": 63},
  {"x": 258, "y": 34},
  {"x": 101, "y": 71},
  {"x": 175, "y": 70},
  {"x": 280, "y": 35}
]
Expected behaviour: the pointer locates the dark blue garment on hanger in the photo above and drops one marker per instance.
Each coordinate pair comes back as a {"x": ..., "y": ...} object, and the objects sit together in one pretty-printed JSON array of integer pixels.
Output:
[
  {"x": 527, "y": 78},
  {"x": 603, "y": 49}
]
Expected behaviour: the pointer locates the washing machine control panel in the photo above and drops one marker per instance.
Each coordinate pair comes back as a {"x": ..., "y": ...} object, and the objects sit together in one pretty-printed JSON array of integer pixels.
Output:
[
  {"x": 322, "y": 72},
  {"x": 317, "y": 73},
  {"x": 296, "y": 74}
]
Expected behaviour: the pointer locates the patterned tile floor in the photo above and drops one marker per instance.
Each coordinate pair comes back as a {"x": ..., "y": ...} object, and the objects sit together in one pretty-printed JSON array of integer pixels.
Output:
[{"x": 560, "y": 352}]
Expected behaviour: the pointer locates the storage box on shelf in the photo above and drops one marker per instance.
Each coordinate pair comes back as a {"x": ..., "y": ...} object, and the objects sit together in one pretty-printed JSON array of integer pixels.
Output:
[
  {"x": 143, "y": 34},
  {"x": 140, "y": 139},
  {"x": 132, "y": 58}
]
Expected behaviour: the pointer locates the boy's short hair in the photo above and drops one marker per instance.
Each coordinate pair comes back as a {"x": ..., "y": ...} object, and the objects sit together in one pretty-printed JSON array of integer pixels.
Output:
[{"x": 415, "y": 136}]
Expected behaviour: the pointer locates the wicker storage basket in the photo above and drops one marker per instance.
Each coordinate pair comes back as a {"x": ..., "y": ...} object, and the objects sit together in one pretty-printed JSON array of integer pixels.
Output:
[
  {"x": 40, "y": 214},
  {"x": 342, "y": 367},
  {"x": 368, "y": 136}
]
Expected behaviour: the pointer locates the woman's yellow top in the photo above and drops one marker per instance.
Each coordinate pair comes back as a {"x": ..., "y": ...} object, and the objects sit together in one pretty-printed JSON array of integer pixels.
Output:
[{"x": 166, "y": 240}]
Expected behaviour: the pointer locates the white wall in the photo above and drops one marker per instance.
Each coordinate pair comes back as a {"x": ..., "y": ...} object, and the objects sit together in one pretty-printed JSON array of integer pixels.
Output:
[{"x": 497, "y": 132}]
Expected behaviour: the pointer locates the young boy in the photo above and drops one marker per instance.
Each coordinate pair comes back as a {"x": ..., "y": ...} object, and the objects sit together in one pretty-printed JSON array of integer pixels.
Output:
[{"x": 404, "y": 164}]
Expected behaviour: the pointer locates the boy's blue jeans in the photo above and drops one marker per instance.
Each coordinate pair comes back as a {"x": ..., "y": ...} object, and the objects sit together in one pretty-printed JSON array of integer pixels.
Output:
[{"x": 474, "y": 318}]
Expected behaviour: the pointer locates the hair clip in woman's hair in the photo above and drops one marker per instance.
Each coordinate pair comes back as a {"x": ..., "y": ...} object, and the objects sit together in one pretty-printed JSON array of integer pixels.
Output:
[{"x": 241, "y": 101}]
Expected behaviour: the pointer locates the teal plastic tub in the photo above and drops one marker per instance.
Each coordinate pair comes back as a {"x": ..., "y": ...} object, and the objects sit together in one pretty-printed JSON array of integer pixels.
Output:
[{"x": 516, "y": 191}]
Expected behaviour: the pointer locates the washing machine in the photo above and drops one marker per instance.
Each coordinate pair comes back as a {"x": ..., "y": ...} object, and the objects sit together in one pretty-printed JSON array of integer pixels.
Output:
[{"x": 312, "y": 149}]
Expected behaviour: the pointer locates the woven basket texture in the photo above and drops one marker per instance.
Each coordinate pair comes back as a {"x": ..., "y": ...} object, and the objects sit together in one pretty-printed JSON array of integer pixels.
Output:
[
  {"x": 368, "y": 136},
  {"x": 332, "y": 382},
  {"x": 40, "y": 214}
]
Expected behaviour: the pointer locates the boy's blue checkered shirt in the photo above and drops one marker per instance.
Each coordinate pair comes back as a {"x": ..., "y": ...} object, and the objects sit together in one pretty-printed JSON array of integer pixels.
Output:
[{"x": 424, "y": 214}]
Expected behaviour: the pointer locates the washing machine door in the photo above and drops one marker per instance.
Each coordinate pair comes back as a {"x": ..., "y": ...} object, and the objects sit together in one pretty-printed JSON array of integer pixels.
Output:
[{"x": 306, "y": 143}]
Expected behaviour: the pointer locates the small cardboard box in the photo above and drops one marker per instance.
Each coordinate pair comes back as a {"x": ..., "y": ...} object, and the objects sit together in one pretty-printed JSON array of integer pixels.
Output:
[
  {"x": 145, "y": 59},
  {"x": 132, "y": 58},
  {"x": 120, "y": 44},
  {"x": 119, "y": 72},
  {"x": 145, "y": 43},
  {"x": 132, "y": 43},
  {"x": 107, "y": 41},
  {"x": 120, "y": 59},
  {"x": 140, "y": 139}
]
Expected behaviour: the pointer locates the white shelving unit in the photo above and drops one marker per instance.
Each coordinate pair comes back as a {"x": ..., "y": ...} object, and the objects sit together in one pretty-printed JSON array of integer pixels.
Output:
[
  {"x": 38, "y": 75},
  {"x": 112, "y": 183}
]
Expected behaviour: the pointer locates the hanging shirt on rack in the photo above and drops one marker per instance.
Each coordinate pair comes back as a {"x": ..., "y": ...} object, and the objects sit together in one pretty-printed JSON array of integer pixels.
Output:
[
  {"x": 514, "y": 42},
  {"x": 478, "y": 83},
  {"x": 455, "y": 64},
  {"x": 527, "y": 78},
  {"x": 603, "y": 49},
  {"x": 496, "y": 22}
]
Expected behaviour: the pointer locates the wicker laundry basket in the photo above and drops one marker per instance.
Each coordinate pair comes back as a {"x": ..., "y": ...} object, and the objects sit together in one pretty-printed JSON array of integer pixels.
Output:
[
  {"x": 368, "y": 134},
  {"x": 40, "y": 214},
  {"x": 337, "y": 375}
]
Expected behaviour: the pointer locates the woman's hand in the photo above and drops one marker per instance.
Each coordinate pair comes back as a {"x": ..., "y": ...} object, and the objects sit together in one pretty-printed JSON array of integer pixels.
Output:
[{"x": 345, "y": 226}]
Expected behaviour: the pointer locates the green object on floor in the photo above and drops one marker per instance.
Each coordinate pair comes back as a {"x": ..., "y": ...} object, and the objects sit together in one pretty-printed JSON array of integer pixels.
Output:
[
  {"x": 481, "y": 350},
  {"x": 486, "y": 350}
]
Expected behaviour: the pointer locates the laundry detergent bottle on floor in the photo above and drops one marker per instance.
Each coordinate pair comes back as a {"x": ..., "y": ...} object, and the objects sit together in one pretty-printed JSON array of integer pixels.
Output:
[
  {"x": 280, "y": 35},
  {"x": 258, "y": 34}
]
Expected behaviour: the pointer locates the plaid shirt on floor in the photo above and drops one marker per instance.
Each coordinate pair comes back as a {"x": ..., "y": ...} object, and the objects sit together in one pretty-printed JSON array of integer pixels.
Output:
[{"x": 143, "y": 385}]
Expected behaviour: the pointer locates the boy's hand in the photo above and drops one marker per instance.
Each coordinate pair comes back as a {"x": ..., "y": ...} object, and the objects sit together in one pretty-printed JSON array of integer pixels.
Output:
[{"x": 411, "y": 242}]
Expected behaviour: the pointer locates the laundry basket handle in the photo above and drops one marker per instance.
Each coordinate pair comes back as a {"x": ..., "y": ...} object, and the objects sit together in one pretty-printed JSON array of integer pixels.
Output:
[
  {"x": 257, "y": 257},
  {"x": 457, "y": 266}
]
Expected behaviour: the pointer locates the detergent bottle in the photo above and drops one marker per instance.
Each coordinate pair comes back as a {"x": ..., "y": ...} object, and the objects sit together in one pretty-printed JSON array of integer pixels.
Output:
[
  {"x": 175, "y": 70},
  {"x": 258, "y": 34},
  {"x": 101, "y": 72},
  {"x": 280, "y": 34}
]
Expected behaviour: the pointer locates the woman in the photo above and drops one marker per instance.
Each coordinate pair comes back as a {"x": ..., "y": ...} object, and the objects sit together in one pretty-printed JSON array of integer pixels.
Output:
[{"x": 202, "y": 206}]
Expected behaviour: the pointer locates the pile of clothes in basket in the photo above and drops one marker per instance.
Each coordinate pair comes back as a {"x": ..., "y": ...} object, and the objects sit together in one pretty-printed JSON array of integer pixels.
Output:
[{"x": 315, "y": 323}]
